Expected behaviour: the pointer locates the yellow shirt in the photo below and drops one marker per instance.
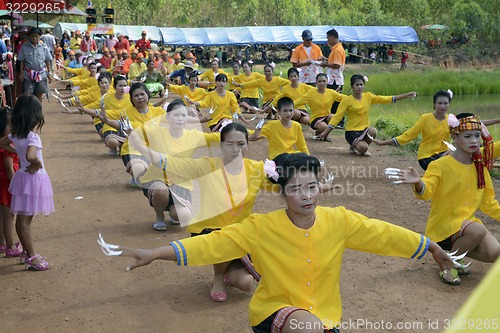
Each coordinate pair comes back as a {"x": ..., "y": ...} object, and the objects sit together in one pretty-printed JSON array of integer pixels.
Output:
[
  {"x": 114, "y": 107},
  {"x": 224, "y": 107},
  {"x": 284, "y": 140},
  {"x": 155, "y": 113},
  {"x": 160, "y": 140},
  {"x": 452, "y": 187},
  {"x": 136, "y": 69},
  {"x": 433, "y": 133},
  {"x": 74, "y": 43},
  {"x": 357, "y": 111},
  {"x": 84, "y": 83},
  {"x": 294, "y": 94},
  {"x": 223, "y": 203},
  {"x": 300, "y": 267},
  {"x": 210, "y": 76},
  {"x": 175, "y": 67},
  {"x": 320, "y": 104},
  {"x": 496, "y": 150},
  {"x": 243, "y": 79},
  {"x": 197, "y": 95},
  {"x": 270, "y": 89},
  {"x": 82, "y": 71},
  {"x": 230, "y": 85},
  {"x": 91, "y": 95}
]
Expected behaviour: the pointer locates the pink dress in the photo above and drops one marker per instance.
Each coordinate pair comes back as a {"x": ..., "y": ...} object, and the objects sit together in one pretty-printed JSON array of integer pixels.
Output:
[{"x": 31, "y": 193}]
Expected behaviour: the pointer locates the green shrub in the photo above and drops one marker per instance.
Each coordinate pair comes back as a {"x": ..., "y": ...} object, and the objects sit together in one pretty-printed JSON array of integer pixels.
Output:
[{"x": 388, "y": 128}]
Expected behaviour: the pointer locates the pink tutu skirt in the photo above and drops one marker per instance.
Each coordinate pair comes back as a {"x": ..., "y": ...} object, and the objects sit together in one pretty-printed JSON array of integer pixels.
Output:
[{"x": 31, "y": 194}]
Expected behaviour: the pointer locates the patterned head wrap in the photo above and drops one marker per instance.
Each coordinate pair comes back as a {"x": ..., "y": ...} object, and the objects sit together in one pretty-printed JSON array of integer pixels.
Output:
[{"x": 472, "y": 123}]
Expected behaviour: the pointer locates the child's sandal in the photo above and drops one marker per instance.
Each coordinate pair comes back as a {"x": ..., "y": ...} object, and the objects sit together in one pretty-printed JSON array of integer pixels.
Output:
[
  {"x": 23, "y": 257},
  {"x": 15, "y": 252},
  {"x": 43, "y": 265}
]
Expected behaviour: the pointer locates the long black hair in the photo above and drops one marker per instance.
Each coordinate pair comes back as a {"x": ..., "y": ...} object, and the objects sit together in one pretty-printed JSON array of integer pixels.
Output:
[{"x": 26, "y": 116}]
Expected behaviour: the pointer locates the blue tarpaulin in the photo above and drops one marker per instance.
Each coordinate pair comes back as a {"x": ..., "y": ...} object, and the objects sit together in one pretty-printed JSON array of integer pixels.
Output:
[
  {"x": 260, "y": 35},
  {"x": 286, "y": 35}
]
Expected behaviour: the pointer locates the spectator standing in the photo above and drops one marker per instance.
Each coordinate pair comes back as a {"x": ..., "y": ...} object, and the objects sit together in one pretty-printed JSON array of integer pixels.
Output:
[
  {"x": 50, "y": 42},
  {"x": 304, "y": 57},
  {"x": 335, "y": 67},
  {"x": 110, "y": 41},
  {"x": 143, "y": 44},
  {"x": 88, "y": 46},
  {"x": 35, "y": 61},
  {"x": 75, "y": 41}
]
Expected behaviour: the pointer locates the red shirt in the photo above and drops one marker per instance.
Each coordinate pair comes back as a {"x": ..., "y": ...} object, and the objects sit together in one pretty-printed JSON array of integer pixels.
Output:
[
  {"x": 88, "y": 45},
  {"x": 15, "y": 160},
  {"x": 143, "y": 44},
  {"x": 106, "y": 61},
  {"x": 123, "y": 45}
]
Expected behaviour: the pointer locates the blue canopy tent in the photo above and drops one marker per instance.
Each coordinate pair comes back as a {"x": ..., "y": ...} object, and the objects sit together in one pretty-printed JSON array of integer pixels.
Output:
[
  {"x": 259, "y": 35},
  {"x": 286, "y": 35}
]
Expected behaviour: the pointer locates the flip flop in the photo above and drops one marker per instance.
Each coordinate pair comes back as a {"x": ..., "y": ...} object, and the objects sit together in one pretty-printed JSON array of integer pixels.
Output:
[
  {"x": 174, "y": 222},
  {"x": 160, "y": 226}
]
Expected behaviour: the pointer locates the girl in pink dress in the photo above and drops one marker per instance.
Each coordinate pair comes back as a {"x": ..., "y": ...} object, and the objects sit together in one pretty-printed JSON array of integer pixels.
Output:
[{"x": 30, "y": 187}]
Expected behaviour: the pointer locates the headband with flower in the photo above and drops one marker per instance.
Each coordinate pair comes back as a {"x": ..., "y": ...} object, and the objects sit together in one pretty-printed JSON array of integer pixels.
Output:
[{"x": 270, "y": 169}]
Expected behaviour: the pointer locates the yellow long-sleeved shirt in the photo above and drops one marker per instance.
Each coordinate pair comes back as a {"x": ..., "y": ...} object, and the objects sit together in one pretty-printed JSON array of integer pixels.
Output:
[
  {"x": 136, "y": 69},
  {"x": 284, "y": 140},
  {"x": 210, "y": 76},
  {"x": 154, "y": 116},
  {"x": 82, "y": 72},
  {"x": 357, "y": 111},
  {"x": 243, "y": 79},
  {"x": 114, "y": 107},
  {"x": 294, "y": 94},
  {"x": 320, "y": 104},
  {"x": 452, "y": 188},
  {"x": 197, "y": 95},
  {"x": 224, "y": 107},
  {"x": 300, "y": 267},
  {"x": 87, "y": 96},
  {"x": 270, "y": 89},
  {"x": 159, "y": 139},
  {"x": 227, "y": 198},
  {"x": 84, "y": 83},
  {"x": 434, "y": 132}
]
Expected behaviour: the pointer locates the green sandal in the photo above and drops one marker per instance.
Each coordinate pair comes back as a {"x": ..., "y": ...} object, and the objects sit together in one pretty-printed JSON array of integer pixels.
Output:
[{"x": 450, "y": 277}]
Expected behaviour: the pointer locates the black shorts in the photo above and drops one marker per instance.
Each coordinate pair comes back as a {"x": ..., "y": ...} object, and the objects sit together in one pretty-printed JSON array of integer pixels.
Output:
[
  {"x": 313, "y": 123},
  {"x": 266, "y": 326},
  {"x": 182, "y": 191},
  {"x": 99, "y": 127},
  {"x": 126, "y": 158},
  {"x": 354, "y": 137},
  {"x": 446, "y": 244},
  {"x": 424, "y": 162},
  {"x": 251, "y": 101}
]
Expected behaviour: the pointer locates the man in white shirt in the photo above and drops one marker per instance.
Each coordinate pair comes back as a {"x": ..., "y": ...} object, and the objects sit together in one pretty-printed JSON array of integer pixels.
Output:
[{"x": 50, "y": 42}]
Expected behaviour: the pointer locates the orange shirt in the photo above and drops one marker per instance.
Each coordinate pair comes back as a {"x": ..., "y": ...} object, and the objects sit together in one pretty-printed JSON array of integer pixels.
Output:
[
  {"x": 307, "y": 74},
  {"x": 126, "y": 66},
  {"x": 337, "y": 57}
]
